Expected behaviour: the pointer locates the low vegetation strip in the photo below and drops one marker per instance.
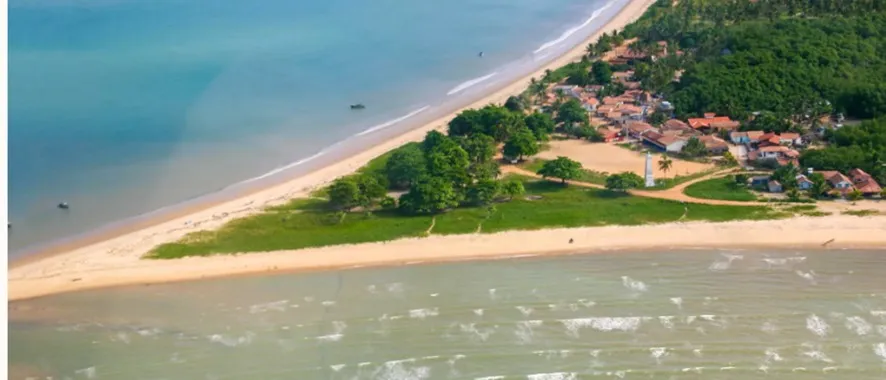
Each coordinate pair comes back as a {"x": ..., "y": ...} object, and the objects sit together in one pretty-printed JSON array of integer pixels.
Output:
[
  {"x": 310, "y": 223},
  {"x": 723, "y": 188}
]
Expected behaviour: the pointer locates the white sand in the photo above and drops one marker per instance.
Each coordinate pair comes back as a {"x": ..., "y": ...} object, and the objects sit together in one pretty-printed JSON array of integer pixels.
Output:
[{"x": 609, "y": 158}]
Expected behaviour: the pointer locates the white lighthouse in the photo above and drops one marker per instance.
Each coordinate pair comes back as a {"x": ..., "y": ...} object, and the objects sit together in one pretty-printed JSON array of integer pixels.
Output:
[{"x": 650, "y": 180}]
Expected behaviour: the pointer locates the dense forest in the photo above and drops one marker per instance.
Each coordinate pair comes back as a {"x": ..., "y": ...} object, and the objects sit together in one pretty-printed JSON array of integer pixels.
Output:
[
  {"x": 790, "y": 57},
  {"x": 787, "y": 61}
]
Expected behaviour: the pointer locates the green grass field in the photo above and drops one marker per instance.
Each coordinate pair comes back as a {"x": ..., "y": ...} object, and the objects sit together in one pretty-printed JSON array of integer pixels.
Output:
[
  {"x": 723, "y": 188},
  {"x": 599, "y": 178},
  {"x": 307, "y": 223}
]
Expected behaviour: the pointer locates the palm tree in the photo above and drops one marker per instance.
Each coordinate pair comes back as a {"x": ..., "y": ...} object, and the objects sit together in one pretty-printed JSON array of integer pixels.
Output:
[{"x": 665, "y": 164}]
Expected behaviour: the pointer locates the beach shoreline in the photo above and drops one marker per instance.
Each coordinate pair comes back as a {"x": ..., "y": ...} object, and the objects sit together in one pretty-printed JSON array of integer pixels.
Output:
[
  {"x": 797, "y": 233},
  {"x": 126, "y": 244}
]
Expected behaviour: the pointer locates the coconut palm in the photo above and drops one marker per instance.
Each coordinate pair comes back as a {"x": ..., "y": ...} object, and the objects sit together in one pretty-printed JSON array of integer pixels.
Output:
[{"x": 665, "y": 164}]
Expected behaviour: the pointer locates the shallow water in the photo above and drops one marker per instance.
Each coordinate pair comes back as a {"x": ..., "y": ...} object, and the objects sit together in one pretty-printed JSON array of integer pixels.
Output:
[
  {"x": 121, "y": 107},
  {"x": 663, "y": 315}
]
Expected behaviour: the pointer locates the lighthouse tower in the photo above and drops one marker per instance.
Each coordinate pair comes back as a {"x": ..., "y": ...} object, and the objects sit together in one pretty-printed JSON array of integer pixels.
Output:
[{"x": 650, "y": 180}]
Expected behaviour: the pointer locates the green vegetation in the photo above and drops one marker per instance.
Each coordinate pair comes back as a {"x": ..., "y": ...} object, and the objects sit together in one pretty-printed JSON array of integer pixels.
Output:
[
  {"x": 623, "y": 182},
  {"x": 310, "y": 223},
  {"x": 586, "y": 175},
  {"x": 861, "y": 212},
  {"x": 561, "y": 168},
  {"x": 723, "y": 188},
  {"x": 862, "y": 146}
]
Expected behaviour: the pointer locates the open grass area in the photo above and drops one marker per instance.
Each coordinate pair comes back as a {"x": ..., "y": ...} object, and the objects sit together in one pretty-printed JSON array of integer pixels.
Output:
[
  {"x": 723, "y": 188},
  {"x": 669, "y": 182},
  {"x": 307, "y": 223},
  {"x": 861, "y": 212},
  {"x": 375, "y": 166}
]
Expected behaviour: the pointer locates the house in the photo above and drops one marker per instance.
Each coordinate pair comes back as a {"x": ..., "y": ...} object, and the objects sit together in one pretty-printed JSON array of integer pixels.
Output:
[
  {"x": 609, "y": 134},
  {"x": 626, "y": 55},
  {"x": 774, "y": 186},
  {"x": 603, "y": 110},
  {"x": 666, "y": 106},
  {"x": 780, "y": 153},
  {"x": 714, "y": 144},
  {"x": 636, "y": 129},
  {"x": 864, "y": 182},
  {"x": 639, "y": 96},
  {"x": 838, "y": 181},
  {"x": 589, "y": 103},
  {"x": 631, "y": 112},
  {"x": 615, "y": 117},
  {"x": 711, "y": 121},
  {"x": 668, "y": 143},
  {"x": 791, "y": 138},
  {"x": 622, "y": 76},
  {"x": 674, "y": 125},
  {"x": 803, "y": 183},
  {"x": 759, "y": 181},
  {"x": 740, "y": 138},
  {"x": 612, "y": 101},
  {"x": 573, "y": 91}
]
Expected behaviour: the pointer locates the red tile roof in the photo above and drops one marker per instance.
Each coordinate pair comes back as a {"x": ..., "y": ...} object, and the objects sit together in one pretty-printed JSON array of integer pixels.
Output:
[
  {"x": 704, "y": 122},
  {"x": 864, "y": 182}
]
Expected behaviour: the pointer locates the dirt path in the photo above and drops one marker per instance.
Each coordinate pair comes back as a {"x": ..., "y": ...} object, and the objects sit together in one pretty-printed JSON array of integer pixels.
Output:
[{"x": 675, "y": 193}]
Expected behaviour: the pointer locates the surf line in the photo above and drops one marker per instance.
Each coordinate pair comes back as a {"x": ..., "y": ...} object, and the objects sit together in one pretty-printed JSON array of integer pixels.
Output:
[
  {"x": 392, "y": 122},
  {"x": 471, "y": 83}
]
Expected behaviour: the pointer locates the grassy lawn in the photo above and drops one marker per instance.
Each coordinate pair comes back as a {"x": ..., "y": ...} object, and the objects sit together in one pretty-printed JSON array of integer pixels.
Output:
[
  {"x": 377, "y": 165},
  {"x": 861, "y": 212},
  {"x": 307, "y": 223},
  {"x": 669, "y": 182},
  {"x": 723, "y": 188},
  {"x": 589, "y": 176}
]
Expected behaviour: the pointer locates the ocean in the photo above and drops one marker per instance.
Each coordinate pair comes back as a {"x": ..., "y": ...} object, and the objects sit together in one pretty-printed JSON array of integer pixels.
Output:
[
  {"x": 684, "y": 314},
  {"x": 125, "y": 107}
]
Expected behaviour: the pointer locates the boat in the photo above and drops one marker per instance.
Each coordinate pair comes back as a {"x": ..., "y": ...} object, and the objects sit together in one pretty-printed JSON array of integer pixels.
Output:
[
  {"x": 481, "y": 54},
  {"x": 358, "y": 106},
  {"x": 63, "y": 205}
]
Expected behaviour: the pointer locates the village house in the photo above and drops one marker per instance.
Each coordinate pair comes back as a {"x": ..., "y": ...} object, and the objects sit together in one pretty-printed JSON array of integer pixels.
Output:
[
  {"x": 742, "y": 138},
  {"x": 636, "y": 129},
  {"x": 714, "y": 144},
  {"x": 609, "y": 134},
  {"x": 774, "y": 186},
  {"x": 782, "y": 154},
  {"x": 626, "y": 55},
  {"x": 640, "y": 97},
  {"x": 677, "y": 126},
  {"x": 838, "y": 181},
  {"x": 670, "y": 143},
  {"x": 786, "y": 138},
  {"x": 622, "y": 76},
  {"x": 864, "y": 183},
  {"x": 631, "y": 112},
  {"x": 568, "y": 90},
  {"x": 711, "y": 122},
  {"x": 803, "y": 182}
]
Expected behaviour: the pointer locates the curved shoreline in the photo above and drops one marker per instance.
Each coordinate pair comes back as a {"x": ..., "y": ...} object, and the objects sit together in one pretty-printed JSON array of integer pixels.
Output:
[
  {"x": 73, "y": 273},
  {"x": 126, "y": 244}
]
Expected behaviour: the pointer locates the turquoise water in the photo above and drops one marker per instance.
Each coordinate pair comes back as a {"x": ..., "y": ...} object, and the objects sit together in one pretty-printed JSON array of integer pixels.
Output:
[
  {"x": 120, "y": 107},
  {"x": 673, "y": 315}
]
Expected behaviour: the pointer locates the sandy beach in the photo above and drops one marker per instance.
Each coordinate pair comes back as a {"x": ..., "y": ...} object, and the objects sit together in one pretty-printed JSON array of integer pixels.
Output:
[{"x": 115, "y": 260}]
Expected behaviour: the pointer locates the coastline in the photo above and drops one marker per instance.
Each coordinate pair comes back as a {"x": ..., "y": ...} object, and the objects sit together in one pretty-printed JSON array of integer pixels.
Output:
[
  {"x": 72, "y": 273},
  {"x": 125, "y": 245}
]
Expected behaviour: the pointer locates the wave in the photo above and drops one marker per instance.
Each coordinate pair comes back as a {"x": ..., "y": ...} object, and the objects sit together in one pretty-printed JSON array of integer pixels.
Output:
[
  {"x": 468, "y": 84},
  {"x": 573, "y": 30},
  {"x": 394, "y": 121}
]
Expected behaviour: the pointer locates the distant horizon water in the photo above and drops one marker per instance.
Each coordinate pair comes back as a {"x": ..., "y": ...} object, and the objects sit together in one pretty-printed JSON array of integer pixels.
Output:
[
  {"x": 665, "y": 314},
  {"x": 125, "y": 108}
]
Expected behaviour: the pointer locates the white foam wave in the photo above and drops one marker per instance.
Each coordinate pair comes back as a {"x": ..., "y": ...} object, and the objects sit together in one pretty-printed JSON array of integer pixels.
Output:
[
  {"x": 772, "y": 356},
  {"x": 268, "y": 306},
  {"x": 231, "y": 341},
  {"x": 337, "y": 367},
  {"x": 573, "y": 30},
  {"x": 719, "y": 266},
  {"x": 330, "y": 337},
  {"x": 392, "y": 122},
  {"x": 635, "y": 285},
  {"x": 89, "y": 372},
  {"x": 328, "y": 303},
  {"x": 858, "y": 325},
  {"x": 605, "y": 324},
  {"x": 478, "y": 312},
  {"x": 524, "y": 330},
  {"x": 657, "y": 353},
  {"x": 489, "y": 378},
  {"x": 677, "y": 301},
  {"x": 525, "y": 310},
  {"x": 394, "y": 287},
  {"x": 586, "y": 303},
  {"x": 769, "y": 327},
  {"x": 667, "y": 321},
  {"x": 880, "y": 350},
  {"x": 817, "y": 325},
  {"x": 283, "y": 168},
  {"x": 553, "y": 376},
  {"x": 814, "y": 352},
  {"x": 470, "y": 83},
  {"x": 808, "y": 275},
  {"x": 423, "y": 313},
  {"x": 879, "y": 313}
]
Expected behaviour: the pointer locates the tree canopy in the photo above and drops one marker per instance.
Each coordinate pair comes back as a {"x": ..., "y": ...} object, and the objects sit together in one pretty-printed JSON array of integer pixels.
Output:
[
  {"x": 562, "y": 168},
  {"x": 430, "y": 195},
  {"x": 623, "y": 181},
  {"x": 405, "y": 165},
  {"x": 571, "y": 112},
  {"x": 522, "y": 143}
]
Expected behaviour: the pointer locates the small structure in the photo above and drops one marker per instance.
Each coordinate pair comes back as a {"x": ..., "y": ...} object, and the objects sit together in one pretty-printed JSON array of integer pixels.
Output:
[
  {"x": 759, "y": 181},
  {"x": 650, "y": 180},
  {"x": 865, "y": 183},
  {"x": 64, "y": 205},
  {"x": 714, "y": 144},
  {"x": 711, "y": 121},
  {"x": 838, "y": 181},
  {"x": 774, "y": 186},
  {"x": 803, "y": 182}
]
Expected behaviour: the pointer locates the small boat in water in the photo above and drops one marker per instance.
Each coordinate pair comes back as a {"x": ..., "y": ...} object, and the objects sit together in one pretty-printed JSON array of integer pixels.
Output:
[
  {"x": 63, "y": 206},
  {"x": 481, "y": 54},
  {"x": 358, "y": 106}
]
